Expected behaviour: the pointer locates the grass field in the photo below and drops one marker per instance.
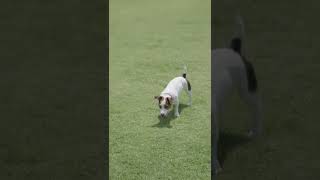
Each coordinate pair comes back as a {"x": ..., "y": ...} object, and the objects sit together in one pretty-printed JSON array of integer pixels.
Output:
[
  {"x": 149, "y": 43},
  {"x": 283, "y": 44}
]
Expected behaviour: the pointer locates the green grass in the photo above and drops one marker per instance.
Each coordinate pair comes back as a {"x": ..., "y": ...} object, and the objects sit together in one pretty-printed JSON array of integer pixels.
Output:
[
  {"x": 149, "y": 43},
  {"x": 283, "y": 44}
]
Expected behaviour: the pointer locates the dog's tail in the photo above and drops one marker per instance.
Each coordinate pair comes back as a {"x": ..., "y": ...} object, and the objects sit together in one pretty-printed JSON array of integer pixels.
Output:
[
  {"x": 184, "y": 74},
  {"x": 238, "y": 45},
  {"x": 237, "y": 42}
]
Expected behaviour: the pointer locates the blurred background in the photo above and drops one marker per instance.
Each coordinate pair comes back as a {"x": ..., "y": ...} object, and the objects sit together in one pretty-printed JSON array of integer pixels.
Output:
[{"x": 282, "y": 42}]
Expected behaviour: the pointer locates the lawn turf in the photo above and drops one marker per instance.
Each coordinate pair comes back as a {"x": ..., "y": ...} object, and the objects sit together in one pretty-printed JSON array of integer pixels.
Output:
[{"x": 149, "y": 43}]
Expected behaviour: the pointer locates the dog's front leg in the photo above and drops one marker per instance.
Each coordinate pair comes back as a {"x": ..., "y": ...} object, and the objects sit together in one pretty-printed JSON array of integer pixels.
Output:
[{"x": 176, "y": 108}]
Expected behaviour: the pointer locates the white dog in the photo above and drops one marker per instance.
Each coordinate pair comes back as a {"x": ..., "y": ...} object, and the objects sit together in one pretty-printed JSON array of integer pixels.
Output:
[
  {"x": 231, "y": 71},
  {"x": 170, "y": 95}
]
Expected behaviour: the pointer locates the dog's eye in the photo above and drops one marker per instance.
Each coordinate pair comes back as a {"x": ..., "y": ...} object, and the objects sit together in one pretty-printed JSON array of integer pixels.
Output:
[
  {"x": 166, "y": 106},
  {"x": 159, "y": 106}
]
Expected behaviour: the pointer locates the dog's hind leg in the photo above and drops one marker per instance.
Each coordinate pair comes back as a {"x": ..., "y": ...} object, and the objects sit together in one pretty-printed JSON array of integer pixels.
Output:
[
  {"x": 189, "y": 92},
  {"x": 254, "y": 102},
  {"x": 190, "y": 98}
]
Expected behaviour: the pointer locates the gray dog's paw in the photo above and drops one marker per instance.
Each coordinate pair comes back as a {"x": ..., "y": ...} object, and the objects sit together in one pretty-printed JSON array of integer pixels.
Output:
[
  {"x": 253, "y": 133},
  {"x": 216, "y": 168}
]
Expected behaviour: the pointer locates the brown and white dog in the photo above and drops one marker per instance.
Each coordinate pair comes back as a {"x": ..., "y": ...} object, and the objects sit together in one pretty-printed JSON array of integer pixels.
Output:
[
  {"x": 232, "y": 71},
  {"x": 170, "y": 95}
]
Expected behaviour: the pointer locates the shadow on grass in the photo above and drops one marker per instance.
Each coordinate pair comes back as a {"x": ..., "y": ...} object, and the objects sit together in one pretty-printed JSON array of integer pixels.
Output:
[
  {"x": 165, "y": 122},
  {"x": 229, "y": 142}
]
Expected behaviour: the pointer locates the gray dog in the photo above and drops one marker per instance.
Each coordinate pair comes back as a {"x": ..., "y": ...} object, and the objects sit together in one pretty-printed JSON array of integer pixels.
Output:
[{"x": 231, "y": 70}]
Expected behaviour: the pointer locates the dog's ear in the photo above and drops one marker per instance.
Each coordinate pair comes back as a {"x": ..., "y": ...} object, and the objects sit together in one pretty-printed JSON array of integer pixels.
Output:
[{"x": 159, "y": 98}]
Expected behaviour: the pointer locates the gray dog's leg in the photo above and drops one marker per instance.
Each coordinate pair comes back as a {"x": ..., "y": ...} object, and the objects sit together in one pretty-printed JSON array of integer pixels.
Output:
[
  {"x": 252, "y": 99},
  {"x": 215, "y": 139}
]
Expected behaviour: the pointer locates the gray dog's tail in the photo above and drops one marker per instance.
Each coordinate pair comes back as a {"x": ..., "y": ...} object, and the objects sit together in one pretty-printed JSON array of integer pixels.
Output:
[{"x": 237, "y": 44}]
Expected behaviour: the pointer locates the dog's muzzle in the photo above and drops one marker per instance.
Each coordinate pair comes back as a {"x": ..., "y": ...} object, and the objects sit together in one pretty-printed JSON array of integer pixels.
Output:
[{"x": 163, "y": 113}]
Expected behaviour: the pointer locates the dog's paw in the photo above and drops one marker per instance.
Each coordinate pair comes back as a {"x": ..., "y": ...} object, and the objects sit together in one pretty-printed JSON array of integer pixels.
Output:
[
  {"x": 217, "y": 170},
  {"x": 177, "y": 114}
]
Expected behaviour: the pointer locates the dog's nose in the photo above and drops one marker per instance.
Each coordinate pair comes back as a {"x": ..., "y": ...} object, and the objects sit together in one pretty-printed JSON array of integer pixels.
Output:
[{"x": 162, "y": 115}]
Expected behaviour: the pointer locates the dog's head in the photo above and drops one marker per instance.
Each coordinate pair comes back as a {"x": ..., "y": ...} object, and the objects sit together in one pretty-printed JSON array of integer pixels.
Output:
[{"x": 165, "y": 103}]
